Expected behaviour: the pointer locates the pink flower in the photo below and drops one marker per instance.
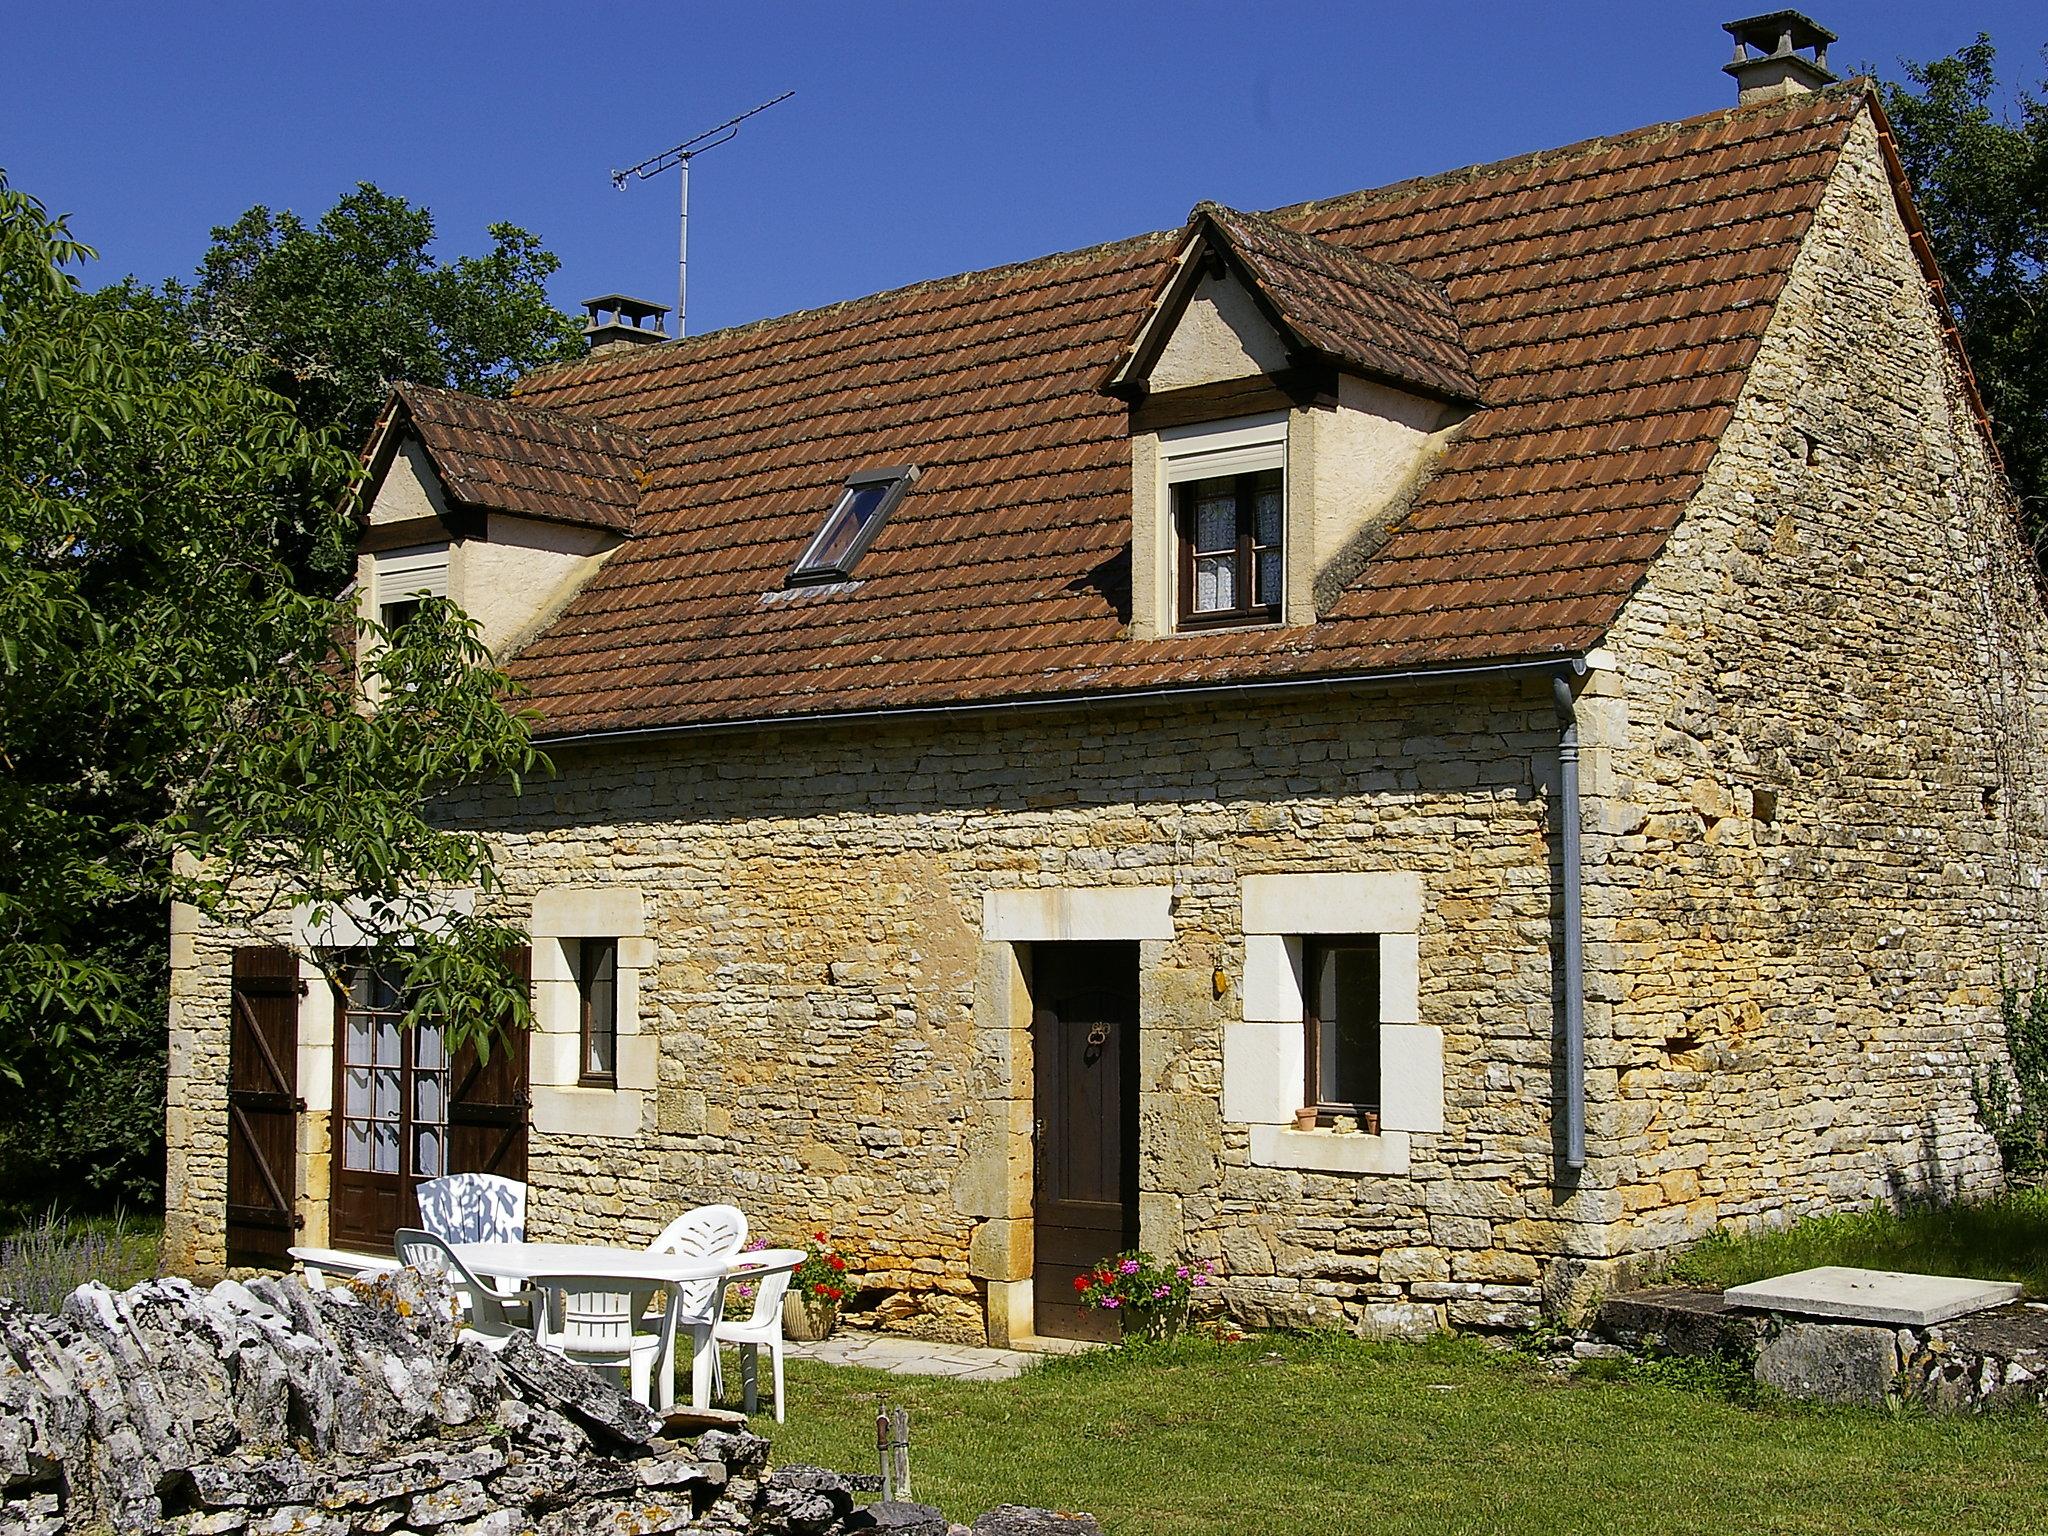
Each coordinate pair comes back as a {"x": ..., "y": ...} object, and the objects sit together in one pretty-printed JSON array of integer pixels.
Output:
[
  {"x": 1201, "y": 1280},
  {"x": 1128, "y": 1267},
  {"x": 1182, "y": 1271},
  {"x": 1111, "y": 1301},
  {"x": 1162, "y": 1291}
]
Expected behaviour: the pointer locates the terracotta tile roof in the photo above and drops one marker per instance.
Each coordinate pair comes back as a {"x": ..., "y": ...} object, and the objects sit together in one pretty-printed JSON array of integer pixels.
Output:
[
  {"x": 513, "y": 456},
  {"x": 1611, "y": 296},
  {"x": 1365, "y": 313}
]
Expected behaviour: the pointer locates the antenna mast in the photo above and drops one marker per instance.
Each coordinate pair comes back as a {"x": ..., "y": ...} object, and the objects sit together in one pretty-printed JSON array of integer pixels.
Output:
[{"x": 680, "y": 157}]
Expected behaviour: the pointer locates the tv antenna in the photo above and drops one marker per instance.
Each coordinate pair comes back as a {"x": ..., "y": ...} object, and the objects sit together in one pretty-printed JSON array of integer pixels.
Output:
[{"x": 680, "y": 157}]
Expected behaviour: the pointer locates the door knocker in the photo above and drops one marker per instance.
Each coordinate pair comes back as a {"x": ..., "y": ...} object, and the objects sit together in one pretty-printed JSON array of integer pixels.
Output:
[{"x": 1098, "y": 1037}]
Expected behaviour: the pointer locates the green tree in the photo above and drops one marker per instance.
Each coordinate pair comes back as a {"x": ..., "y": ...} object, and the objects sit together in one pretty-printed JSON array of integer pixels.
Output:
[
  {"x": 339, "y": 309},
  {"x": 1980, "y": 173},
  {"x": 173, "y": 710}
]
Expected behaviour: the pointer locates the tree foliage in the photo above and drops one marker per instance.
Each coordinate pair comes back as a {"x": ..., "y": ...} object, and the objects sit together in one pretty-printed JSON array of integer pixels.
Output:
[
  {"x": 337, "y": 310},
  {"x": 173, "y": 709},
  {"x": 1980, "y": 172}
]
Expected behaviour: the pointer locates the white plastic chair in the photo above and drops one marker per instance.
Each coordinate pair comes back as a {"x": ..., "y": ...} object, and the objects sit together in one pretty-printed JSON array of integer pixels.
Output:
[
  {"x": 474, "y": 1208},
  {"x": 708, "y": 1232},
  {"x": 769, "y": 1271},
  {"x": 597, "y": 1321},
  {"x": 494, "y": 1317}
]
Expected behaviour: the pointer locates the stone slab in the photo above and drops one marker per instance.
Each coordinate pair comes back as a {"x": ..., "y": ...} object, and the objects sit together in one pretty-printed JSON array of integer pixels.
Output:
[{"x": 1874, "y": 1295}]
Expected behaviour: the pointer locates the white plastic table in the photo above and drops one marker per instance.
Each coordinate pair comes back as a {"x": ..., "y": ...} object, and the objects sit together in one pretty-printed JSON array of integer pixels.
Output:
[{"x": 532, "y": 1261}]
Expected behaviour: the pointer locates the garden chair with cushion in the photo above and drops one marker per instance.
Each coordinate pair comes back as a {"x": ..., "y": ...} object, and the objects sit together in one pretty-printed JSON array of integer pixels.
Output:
[
  {"x": 708, "y": 1232},
  {"x": 601, "y": 1322},
  {"x": 493, "y": 1316},
  {"x": 768, "y": 1271}
]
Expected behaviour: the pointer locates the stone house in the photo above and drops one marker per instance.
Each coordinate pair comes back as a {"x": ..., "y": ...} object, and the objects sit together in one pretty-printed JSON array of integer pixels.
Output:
[{"x": 1428, "y": 745}]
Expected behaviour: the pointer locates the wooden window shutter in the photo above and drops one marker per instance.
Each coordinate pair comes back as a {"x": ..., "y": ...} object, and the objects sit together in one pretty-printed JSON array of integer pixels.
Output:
[
  {"x": 487, "y": 1106},
  {"x": 263, "y": 1107}
]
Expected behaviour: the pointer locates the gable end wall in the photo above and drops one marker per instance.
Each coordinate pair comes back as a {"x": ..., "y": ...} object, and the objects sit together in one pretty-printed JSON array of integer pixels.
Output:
[{"x": 1786, "y": 1000}]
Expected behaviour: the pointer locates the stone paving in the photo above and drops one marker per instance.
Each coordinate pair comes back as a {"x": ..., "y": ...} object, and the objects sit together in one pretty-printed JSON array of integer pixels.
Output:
[{"x": 916, "y": 1357}]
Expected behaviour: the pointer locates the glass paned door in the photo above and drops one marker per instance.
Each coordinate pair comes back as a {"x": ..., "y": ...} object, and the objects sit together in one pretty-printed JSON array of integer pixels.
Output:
[{"x": 393, "y": 1124}]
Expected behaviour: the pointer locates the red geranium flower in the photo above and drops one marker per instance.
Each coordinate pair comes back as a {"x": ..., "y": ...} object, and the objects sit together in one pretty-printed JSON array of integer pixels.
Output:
[
  {"x": 1081, "y": 1282},
  {"x": 836, "y": 1262}
]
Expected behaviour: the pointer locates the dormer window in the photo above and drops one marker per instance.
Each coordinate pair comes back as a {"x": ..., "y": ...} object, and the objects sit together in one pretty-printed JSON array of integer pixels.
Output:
[{"x": 870, "y": 496}]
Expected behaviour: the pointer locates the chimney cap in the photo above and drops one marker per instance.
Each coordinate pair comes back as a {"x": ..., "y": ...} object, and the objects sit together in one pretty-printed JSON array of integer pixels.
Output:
[
  {"x": 1778, "y": 67},
  {"x": 633, "y": 322}
]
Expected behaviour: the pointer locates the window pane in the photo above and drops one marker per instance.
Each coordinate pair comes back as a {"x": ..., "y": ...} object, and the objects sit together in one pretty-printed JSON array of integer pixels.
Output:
[
  {"x": 1266, "y": 498},
  {"x": 387, "y": 1040},
  {"x": 384, "y": 1093},
  {"x": 356, "y": 1043},
  {"x": 384, "y": 1149},
  {"x": 355, "y": 1091},
  {"x": 1215, "y": 583},
  {"x": 1215, "y": 520},
  {"x": 1269, "y": 576},
  {"x": 600, "y": 979},
  {"x": 856, "y": 508},
  {"x": 429, "y": 1051},
  {"x": 426, "y": 1160},
  {"x": 1348, "y": 1008},
  {"x": 355, "y": 1145},
  {"x": 430, "y": 1098}
]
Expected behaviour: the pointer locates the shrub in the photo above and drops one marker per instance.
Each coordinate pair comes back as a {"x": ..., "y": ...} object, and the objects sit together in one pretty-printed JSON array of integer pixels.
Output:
[
  {"x": 2012, "y": 1095},
  {"x": 822, "y": 1275},
  {"x": 53, "y": 1256}
]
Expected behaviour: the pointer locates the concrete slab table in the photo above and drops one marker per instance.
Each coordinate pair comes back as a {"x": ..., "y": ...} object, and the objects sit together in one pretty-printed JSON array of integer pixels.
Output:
[
  {"x": 1882, "y": 1296},
  {"x": 534, "y": 1261}
]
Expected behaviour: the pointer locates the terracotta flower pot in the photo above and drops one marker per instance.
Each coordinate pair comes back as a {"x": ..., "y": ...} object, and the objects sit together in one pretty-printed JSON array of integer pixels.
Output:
[
  {"x": 1304, "y": 1119},
  {"x": 807, "y": 1319}
]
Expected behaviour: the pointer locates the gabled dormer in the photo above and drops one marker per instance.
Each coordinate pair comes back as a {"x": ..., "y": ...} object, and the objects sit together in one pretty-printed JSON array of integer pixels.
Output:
[
  {"x": 503, "y": 508},
  {"x": 1286, "y": 396}
]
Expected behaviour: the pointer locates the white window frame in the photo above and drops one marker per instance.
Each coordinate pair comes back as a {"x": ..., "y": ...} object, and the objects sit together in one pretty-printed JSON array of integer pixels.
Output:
[
  {"x": 1265, "y": 1057},
  {"x": 1205, "y": 451}
]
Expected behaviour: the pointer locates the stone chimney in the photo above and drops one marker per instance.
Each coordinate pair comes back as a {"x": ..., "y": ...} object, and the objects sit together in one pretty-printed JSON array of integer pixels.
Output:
[
  {"x": 1778, "y": 67},
  {"x": 633, "y": 323}
]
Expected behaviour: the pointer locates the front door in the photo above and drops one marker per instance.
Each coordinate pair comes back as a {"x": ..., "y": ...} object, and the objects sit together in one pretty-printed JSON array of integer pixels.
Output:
[
  {"x": 406, "y": 1113},
  {"x": 1085, "y": 1062}
]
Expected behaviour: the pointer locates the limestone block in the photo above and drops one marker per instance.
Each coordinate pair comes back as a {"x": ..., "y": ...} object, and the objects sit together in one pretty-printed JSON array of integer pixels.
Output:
[
  {"x": 1050, "y": 914},
  {"x": 1411, "y": 1077},
  {"x": 1179, "y": 1138},
  {"x": 1000, "y": 1250},
  {"x": 589, "y": 911},
  {"x": 1400, "y": 978},
  {"x": 1326, "y": 903},
  {"x": 639, "y": 1061},
  {"x": 608, "y": 1113},
  {"x": 1010, "y": 1312},
  {"x": 1273, "y": 1146},
  {"x": 1831, "y": 1362},
  {"x": 1263, "y": 1073},
  {"x": 636, "y": 954},
  {"x": 1272, "y": 979}
]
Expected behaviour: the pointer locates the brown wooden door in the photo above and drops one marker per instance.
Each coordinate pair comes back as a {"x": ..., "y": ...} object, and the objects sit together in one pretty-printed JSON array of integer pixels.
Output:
[
  {"x": 1085, "y": 1063},
  {"x": 404, "y": 1113},
  {"x": 263, "y": 1107}
]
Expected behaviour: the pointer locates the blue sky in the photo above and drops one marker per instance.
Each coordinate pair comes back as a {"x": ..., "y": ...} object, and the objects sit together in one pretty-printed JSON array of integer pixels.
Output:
[{"x": 923, "y": 139}]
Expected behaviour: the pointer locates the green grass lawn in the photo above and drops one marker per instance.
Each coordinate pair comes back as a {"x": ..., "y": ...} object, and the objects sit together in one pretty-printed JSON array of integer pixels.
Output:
[
  {"x": 1318, "y": 1434},
  {"x": 2002, "y": 1239}
]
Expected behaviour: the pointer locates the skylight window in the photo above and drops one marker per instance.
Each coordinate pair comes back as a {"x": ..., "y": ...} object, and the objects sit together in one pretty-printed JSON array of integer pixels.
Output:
[{"x": 868, "y": 499}]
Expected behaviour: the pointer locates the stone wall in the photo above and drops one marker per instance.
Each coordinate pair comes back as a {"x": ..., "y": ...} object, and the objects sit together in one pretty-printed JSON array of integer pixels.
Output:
[
  {"x": 1815, "y": 831},
  {"x": 272, "y": 1408}
]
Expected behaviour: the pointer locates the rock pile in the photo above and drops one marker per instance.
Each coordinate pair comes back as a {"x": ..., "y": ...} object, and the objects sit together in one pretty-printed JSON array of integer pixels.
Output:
[{"x": 269, "y": 1408}]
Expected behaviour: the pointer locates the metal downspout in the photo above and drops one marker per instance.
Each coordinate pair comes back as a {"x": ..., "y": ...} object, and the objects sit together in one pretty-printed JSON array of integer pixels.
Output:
[{"x": 1574, "y": 1045}]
